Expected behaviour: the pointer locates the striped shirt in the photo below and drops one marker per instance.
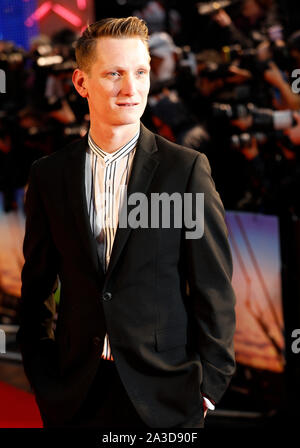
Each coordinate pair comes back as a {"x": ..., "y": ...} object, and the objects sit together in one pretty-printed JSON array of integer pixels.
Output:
[{"x": 106, "y": 175}]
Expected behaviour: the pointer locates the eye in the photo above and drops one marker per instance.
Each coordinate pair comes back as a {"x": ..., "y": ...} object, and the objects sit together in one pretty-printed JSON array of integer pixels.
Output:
[
  {"x": 141, "y": 72},
  {"x": 114, "y": 74}
]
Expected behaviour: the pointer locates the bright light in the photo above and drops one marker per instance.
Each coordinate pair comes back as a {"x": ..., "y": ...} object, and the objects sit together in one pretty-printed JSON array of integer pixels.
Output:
[
  {"x": 60, "y": 10},
  {"x": 38, "y": 14},
  {"x": 49, "y": 60},
  {"x": 67, "y": 15}
]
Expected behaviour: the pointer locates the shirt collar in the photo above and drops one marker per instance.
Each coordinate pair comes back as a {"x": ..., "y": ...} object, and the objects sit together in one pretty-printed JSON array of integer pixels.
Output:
[{"x": 119, "y": 154}]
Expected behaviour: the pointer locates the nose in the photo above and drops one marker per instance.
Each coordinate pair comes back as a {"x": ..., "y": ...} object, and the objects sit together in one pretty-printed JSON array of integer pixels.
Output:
[{"x": 128, "y": 85}]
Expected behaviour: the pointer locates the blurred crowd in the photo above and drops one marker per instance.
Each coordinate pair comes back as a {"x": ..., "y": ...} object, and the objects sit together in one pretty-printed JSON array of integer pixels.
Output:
[{"x": 226, "y": 86}]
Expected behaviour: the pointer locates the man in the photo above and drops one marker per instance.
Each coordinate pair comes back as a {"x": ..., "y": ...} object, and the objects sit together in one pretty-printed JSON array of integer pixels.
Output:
[{"x": 132, "y": 347}]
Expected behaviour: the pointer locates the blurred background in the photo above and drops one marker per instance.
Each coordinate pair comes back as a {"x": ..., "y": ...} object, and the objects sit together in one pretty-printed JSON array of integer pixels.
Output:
[{"x": 225, "y": 81}]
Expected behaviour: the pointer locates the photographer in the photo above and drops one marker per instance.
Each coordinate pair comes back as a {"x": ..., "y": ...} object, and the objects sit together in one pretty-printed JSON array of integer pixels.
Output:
[
  {"x": 55, "y": 92},
  {"x": 168, "y": 112},
  {"x": 275, "y": 77},
  {"x": 252, "y": 22}
]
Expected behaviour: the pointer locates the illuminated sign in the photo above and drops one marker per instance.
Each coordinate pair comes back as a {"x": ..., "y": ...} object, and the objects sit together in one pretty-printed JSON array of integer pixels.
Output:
[{"x": 65, "y": 13}]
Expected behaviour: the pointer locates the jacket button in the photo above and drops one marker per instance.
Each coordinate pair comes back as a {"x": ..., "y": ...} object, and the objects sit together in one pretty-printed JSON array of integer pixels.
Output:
[
  {"x": 96, "y": 341},
  {"x": 107, "y": 296}
]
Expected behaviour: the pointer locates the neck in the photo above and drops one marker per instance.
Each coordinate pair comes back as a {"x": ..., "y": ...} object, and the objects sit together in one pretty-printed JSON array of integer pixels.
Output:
[{"x": 112, "y": 138}]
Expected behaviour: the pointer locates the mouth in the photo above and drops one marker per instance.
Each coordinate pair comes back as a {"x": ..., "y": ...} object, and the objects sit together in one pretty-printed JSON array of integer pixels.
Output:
[{"x": 127, "y": 104}]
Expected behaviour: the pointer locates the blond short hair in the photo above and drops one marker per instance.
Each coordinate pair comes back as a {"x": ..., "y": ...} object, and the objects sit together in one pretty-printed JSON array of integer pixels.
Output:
[{"x": 112, "y": 27}]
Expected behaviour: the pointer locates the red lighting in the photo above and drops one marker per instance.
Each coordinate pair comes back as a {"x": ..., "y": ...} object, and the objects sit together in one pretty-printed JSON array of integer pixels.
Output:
[
  {"x": 67, "y": 15},
  {"x": 60, "y": 10},
  {"x": 81, "y": 4},
  {"x": 38, "y": 14}
]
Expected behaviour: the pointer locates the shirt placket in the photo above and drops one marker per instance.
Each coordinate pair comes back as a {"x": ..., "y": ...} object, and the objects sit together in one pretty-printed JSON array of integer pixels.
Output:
[
  {"x": 106, "y": 352},
  {"x": 108, "y": 212},
  {"x": 108, "y": 220}
]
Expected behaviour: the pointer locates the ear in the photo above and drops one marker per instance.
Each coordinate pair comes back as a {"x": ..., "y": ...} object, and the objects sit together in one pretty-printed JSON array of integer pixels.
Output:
[{"x": 79, "y": 81}]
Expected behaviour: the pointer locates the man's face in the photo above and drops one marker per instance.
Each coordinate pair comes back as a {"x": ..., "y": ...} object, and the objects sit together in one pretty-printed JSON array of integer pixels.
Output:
[{"x": 118, "y": 83}]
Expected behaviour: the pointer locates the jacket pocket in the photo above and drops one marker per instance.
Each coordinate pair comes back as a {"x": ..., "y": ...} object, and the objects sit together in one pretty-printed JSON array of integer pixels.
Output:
[{"x": 171, "y": 337}]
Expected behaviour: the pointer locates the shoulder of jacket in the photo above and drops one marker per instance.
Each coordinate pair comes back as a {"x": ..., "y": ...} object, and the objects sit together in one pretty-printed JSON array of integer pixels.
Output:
[
  {"x": 176, "y": 150},
  {"x": 57, "y": 158}
]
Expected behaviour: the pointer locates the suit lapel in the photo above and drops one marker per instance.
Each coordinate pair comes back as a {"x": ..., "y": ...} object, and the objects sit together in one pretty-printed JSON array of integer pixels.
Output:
[
  {"x": 75, "y": 183},
  {"x": 144, "y": 165}
]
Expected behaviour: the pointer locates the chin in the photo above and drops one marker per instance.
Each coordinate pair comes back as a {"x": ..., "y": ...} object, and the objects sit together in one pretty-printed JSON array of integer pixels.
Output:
[
  {"x": 128, "y": 118},
  {"x": 128, "y": 122},
  {"x": 124, "y": 121}
]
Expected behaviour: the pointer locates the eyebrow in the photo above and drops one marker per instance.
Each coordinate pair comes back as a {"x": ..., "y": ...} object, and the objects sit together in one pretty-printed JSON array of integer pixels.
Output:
[{"x": 122, "y": 69}]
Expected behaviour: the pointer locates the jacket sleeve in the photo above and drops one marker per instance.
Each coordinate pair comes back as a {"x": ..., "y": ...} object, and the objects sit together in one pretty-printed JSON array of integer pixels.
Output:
[
  {"x": 39, "y": 280},
  {"x": 211, "y": 296}
]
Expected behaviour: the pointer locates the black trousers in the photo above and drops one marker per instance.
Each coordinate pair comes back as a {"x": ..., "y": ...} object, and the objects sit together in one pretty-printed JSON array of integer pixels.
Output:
[{"x": 107, "y": 404}]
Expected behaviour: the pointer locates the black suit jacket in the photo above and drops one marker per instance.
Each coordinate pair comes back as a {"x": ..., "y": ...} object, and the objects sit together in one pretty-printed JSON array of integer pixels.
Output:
[{"x": 165, "y": 301}]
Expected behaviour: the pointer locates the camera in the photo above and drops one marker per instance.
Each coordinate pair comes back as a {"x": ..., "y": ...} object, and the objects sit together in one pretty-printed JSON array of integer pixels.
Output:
[{"x": 262, "y": 118}]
